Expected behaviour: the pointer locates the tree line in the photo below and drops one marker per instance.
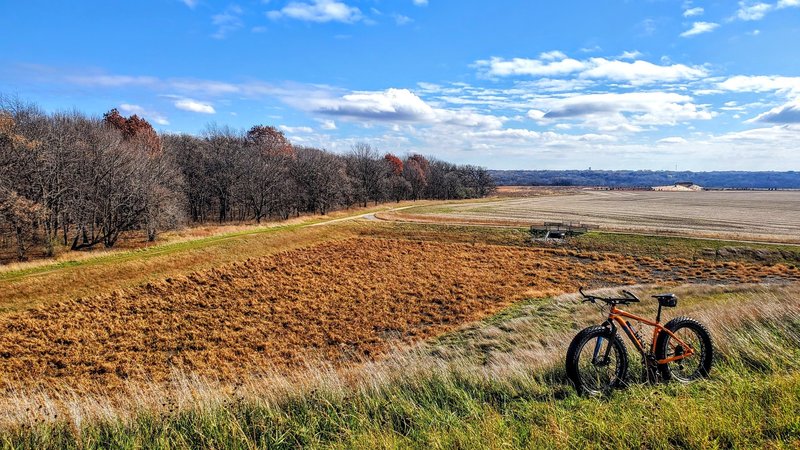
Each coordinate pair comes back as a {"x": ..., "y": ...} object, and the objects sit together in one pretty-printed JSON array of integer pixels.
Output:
[{"x": 70, "y": 179}]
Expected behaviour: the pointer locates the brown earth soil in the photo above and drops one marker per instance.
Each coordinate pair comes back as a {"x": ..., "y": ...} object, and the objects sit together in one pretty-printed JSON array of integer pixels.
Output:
[{"x": 335, "y": 302}]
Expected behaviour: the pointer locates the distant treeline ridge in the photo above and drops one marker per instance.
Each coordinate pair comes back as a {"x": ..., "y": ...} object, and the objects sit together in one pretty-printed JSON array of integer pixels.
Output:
[{"x": 647, "y": 178}]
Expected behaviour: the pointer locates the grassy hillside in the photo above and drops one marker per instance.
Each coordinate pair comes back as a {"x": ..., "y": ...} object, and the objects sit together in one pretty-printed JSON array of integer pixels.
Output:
[{"x": 497, "y": 383}]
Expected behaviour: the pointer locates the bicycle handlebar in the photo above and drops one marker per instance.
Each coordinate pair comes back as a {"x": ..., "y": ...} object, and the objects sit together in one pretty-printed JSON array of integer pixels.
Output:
[{"x": 629, "y": 297}]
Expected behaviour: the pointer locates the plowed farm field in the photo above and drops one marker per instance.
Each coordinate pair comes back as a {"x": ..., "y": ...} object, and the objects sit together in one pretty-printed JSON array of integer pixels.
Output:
[
  {"x": 335, "y": 302},
  {"x": 769, "y": 216}
]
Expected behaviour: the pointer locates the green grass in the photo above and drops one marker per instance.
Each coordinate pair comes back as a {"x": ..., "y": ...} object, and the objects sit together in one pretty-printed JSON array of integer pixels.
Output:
[
  {"x": 632, "y": 244},
  {"x": 454, "y": 410},
  {"x": 668, "y": 246}
]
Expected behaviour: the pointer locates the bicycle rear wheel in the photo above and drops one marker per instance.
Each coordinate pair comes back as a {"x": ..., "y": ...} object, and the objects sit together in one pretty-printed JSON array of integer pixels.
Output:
[
  {"x": 597, "y": 361},
  {"x": 694, "y": 335}
]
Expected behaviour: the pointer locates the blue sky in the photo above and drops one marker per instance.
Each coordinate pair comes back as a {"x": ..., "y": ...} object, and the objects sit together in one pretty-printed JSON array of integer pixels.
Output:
[{"x": 508, "y": 84}]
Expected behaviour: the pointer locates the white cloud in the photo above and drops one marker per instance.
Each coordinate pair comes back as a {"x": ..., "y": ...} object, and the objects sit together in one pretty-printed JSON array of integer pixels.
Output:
[
  {"x": 553, "y": 55},
  {"x": 541, "y": 138},
  {"x": 396, "y": 105},
  {"x": 112, "y": 80},
  {"x": 788, "y": 113},
  {"x": 421, "y": 2},
  {"x": 672, "y": 140},
  {"x": 188, "y": 104},
  {"x": 296, "y": 130},
  {"x": 775, "y": 137},
  {"x": 319, "y": 11},
  {"x": 641, "y": 72},
  {"x": 533, "y": 67},
  {"x": 153, "y": 116},
  {"x": 400, "y": 19},
  {"x": 554, "y": 85},
  {"x": 635, "y": 72},
  {"x": 327, "y": 124},
  {"x": 623, "y": 111},
  {"x": 691, "y": 12},
  {"x": 189, "y": 3},
  {"x": 761, "y": 83},
  {"x": 700, "y": 28},
  {"x": 536, "y": 114},
  {"x": 635, "y": 54},
  {"x": 753, "y": 11},
  {"x": 227, "y": 21},
  {"x": 788, "y": 3}
]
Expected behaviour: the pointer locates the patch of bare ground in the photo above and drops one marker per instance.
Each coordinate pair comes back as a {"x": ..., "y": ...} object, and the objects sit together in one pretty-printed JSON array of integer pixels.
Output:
[{"x": 335, "y": 303}]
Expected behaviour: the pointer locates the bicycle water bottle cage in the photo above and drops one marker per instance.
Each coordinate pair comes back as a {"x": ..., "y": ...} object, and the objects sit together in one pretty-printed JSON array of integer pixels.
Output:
[{"x": 667, "y": 300}]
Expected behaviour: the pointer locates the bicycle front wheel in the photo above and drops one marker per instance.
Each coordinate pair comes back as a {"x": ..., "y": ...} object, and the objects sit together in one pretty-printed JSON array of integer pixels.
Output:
[{"x": 597, "y": 361}]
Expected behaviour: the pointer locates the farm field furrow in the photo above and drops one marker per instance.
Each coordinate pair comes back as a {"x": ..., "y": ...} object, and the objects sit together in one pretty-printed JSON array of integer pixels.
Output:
[
  {"x": 770, "y": 216},
  {"x": 337, "y": 302}
]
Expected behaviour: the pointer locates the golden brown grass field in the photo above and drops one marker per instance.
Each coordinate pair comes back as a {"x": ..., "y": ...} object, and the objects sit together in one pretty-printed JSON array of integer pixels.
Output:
[
  {"x": 358, "y": 308},
  {"x": 770, "y": 216},
  {"x": 336, "y": 302}
]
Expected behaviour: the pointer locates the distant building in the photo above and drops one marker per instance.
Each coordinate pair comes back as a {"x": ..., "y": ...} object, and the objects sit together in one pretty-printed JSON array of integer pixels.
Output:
[{"x": 681, "y": 186}]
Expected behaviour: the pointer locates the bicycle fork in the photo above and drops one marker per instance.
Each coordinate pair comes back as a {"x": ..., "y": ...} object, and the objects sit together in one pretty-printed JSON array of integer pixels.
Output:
[{"x": 597, "y": 346}]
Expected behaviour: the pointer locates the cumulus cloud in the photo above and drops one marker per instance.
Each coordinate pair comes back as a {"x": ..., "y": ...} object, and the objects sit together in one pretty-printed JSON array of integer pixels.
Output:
[
  {"x": 691, "y": 12},
  {"x": 421, "y": 2},
  {"x": 641, "y": 72},
  {"x": 753, "y": 11},
  {"x": 319, "y": 11},
  {"x": 624, "y": 111},
  {"x": 788, "y": 113},
  {"x": 788, "y": 3},
  {"x": 188, "y": 104},
  {"x": 153, "y": 116},
  {"x": 635, "y": 54},
  {"x": 533, "y": 67},
  {"x": 551, "y": 64},
  {"x": 398, "y": 105},
  {"x": 700, "y": 28},
  {"x": 761, "y": 83}
]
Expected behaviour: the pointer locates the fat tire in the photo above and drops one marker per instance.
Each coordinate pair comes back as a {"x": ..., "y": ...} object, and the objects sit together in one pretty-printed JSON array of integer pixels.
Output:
[
  {"x": 663, "y": 338},
  {"x": 573, "y": 353}
]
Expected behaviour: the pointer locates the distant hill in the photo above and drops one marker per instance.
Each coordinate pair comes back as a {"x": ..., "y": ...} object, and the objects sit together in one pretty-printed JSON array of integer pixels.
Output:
[{"x": 647, "y": 178}]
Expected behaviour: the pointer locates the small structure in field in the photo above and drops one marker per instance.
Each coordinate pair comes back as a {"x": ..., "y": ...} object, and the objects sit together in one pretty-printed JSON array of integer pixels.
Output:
[
  {"x": 682, "y": 186},
  {"x": 559, "y": 230}
]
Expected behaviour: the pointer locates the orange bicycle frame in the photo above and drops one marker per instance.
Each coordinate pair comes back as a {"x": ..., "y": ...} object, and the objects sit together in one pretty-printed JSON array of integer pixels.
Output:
[{"x": 616, "y": 315}]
